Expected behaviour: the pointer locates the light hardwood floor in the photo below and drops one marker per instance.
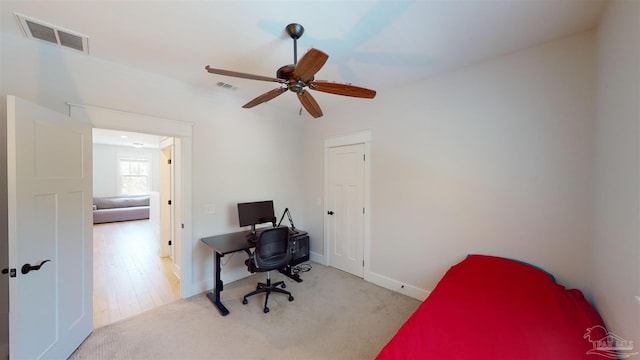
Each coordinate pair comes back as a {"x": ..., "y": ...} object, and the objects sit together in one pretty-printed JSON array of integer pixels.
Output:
[{"x": 128, "y": 275}]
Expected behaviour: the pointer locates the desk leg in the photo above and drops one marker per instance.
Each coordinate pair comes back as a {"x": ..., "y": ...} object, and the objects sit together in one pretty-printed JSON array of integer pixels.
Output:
[{"x": 214, "y": 296}]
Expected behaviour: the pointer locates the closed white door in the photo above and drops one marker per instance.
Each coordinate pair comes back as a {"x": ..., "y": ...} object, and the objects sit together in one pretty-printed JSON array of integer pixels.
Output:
[
  {"x": 345, "y": 208},
  {"x": 49, "y": 176}
]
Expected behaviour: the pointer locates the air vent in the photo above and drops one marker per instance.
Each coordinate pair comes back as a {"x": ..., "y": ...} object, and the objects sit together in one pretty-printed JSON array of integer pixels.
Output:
[
  {"x": 38, "y": 29},
  {"x": 226, "y": 86}
]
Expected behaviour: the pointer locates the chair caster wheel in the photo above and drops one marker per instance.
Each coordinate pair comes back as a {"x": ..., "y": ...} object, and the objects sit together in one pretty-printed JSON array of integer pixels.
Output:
[
  {"x": 290, "y": 298},
  {"x": 244, "y": 302},
  {"x": 266, "y": 310}
]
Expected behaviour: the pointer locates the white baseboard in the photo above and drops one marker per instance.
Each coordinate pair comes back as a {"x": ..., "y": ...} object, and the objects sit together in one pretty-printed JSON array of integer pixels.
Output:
[
  {"x": 228, "y": 275},
  {"x": 380, "y": 280},
  {"x": 192, "y": 291},
  {"x": 397, "y": 286},
  {"x": 177, "y": 271},
  {"x": 317, "y": 257},
  {"x": 232, "y": 274},
  {"x": 233, "y": 270}
]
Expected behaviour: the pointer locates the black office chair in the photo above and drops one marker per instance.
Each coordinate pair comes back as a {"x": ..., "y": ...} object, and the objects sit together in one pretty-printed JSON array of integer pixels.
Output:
[{"x": 272, "y": 252}]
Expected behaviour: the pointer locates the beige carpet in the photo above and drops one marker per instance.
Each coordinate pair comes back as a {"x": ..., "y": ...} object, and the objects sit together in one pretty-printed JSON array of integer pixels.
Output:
[{"x": 334, "y": 316}]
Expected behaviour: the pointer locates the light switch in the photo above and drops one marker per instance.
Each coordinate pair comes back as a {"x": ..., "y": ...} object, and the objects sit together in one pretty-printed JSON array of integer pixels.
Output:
[{"x": 209, "y": 209}]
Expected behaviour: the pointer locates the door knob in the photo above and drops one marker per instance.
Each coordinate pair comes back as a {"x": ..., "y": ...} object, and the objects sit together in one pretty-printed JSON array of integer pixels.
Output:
[
  {"x": 330, "y": 212},
  {"x": 28, "y": 267}
]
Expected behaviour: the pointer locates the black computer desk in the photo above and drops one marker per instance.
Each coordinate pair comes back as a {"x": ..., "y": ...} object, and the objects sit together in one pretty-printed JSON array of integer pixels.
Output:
[{"x": 226, "y": 244}]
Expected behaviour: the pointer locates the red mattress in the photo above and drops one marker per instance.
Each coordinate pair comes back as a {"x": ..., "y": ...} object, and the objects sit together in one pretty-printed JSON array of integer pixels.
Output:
[{"x": 488, "y": 307}]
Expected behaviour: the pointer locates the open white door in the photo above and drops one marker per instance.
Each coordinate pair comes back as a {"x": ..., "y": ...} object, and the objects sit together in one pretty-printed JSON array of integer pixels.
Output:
[
  {"x": 166, "y": 195},
  {"x": 49, "y": 176}
]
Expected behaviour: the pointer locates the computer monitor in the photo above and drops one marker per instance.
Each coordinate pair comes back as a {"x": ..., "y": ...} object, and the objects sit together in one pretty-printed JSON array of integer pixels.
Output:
[{"x": 257, "y": 212}]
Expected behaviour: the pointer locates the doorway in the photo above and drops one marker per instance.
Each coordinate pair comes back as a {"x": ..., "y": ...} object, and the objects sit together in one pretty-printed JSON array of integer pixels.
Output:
[
  {"x": 66, "y": 297},
  {"x": 347, "y": 198},
  {"x": 181, "y": 132},
  {"x": 133, "y": 269}
]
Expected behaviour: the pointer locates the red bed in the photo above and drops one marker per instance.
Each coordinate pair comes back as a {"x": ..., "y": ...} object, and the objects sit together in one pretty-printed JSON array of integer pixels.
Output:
[{"x": 489, "y": 307}]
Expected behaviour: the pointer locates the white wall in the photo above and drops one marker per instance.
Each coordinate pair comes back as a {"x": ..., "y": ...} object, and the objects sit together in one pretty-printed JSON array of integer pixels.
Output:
[
  {"x": 238, "y": 154},
  {"x": 105, "y": 167},
  {"x": 495, "y": 158},
  {"x": 616, "y": 255}
]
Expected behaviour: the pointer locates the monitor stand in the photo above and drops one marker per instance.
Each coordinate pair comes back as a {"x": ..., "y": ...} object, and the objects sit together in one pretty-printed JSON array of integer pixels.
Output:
[{"x": 251, "y": 236}]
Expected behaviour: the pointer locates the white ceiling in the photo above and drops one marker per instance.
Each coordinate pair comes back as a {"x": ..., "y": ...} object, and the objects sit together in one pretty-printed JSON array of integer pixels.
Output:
[{"x": 375, "y": 44}]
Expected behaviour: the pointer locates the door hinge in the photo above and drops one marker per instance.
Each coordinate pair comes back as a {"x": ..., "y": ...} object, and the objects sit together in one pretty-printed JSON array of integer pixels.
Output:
[
  {"x": 364, "y": 157},
  {"x": 169, "y": 202},
  {"x": 169, "y": 161},
  {"x": 182, "y": 225},
  {"x": 363, "y": 210},
  {"x": 169, "y": 242},
  {"x": 362, "y": 263}
]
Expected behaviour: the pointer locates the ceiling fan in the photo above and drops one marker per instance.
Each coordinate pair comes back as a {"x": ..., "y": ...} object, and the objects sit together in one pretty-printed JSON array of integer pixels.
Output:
[{"x": 299, "y": 77}]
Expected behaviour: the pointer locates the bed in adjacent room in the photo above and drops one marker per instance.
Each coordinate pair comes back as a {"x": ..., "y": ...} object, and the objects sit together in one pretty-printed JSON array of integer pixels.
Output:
[{"x": 488, "y": 307}]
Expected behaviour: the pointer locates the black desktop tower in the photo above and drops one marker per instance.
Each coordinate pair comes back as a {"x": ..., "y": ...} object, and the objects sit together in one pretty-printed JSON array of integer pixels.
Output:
[{"x": 299, "y": 248}]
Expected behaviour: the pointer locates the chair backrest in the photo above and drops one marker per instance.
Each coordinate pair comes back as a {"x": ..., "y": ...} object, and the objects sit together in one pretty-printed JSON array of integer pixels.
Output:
[{"x": 272, "y": 249}]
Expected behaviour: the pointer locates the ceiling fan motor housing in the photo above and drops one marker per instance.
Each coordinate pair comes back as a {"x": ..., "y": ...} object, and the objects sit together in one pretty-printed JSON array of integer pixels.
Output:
[
  {"x": 296, "y": 86},
  {"x": 285, "y": 72}
]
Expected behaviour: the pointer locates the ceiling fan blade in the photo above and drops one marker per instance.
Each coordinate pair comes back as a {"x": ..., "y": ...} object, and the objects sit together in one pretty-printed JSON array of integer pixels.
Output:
[
  {"x": 309, "y": 104},
  {"x": 310, "y": 64},
  {"x": 342, "y": 89},
  {"x": 265, "y": 97},
  {"x": 242, "y": 75}
]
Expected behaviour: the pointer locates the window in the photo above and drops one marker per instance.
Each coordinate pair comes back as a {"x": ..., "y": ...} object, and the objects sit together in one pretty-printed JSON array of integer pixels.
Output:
[{"x": 134, "y": 176}]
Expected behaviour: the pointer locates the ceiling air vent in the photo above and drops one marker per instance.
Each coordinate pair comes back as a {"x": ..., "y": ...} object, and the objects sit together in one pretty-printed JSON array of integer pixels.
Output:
[
  {"x": 54, "y": 34},
  {"x": 225, "y": 85}
]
